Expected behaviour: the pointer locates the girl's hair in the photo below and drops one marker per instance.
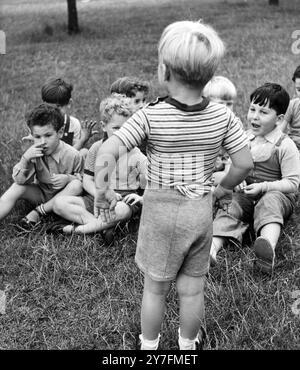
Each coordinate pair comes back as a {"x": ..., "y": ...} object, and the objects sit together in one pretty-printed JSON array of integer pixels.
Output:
[
  {"x": 115, "y": 103},
  {"x": 296, "y": 73},
  {"x": 271, "y": 93},
  {"x": 57, "y": 91},
  {"x": 191, "y": 50},
  {"x": 129, "y": 86},
  {"x": 43, "y": 115},
  {"x": 220, "y": 87}
]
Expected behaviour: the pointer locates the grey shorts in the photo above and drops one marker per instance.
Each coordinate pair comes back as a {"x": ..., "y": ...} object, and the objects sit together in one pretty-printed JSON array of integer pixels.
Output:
[
  {"x": 175, "y": 234},
  {"x": 272, "y": 207}
]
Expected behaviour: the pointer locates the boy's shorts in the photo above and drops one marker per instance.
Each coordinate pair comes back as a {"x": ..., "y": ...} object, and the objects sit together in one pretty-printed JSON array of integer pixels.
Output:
[
  {"x": 89, "y": 202},
  {"x": 37, "y": 195},
  {"x": 175, "y": 235}
]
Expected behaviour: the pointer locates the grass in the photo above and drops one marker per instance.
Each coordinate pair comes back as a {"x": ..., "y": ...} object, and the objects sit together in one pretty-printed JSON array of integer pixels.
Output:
[{"x": 74, "y": 292}]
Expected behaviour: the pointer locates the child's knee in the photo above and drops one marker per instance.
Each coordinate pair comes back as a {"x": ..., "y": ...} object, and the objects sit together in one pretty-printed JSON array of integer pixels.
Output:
[
  {"x": 156, "y": 287},
  {"x": 190, "y": 285},
  {"x": 75, "y": 187},
  {"x": 59, "y": 205}
]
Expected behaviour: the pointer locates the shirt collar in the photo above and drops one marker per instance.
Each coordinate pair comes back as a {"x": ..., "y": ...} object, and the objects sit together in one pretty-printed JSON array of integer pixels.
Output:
[
  {"x": 188, "y": 108},
  {"x": 56, "y": 154},
  {"x": 271, "y": 137}
]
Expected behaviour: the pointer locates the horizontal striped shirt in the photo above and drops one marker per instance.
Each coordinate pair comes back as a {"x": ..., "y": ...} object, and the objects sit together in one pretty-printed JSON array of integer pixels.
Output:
[{"x": 183, "y": 142}]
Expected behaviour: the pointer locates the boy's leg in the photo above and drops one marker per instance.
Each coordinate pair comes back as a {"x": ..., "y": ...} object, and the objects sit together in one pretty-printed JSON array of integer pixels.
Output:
[
  {"x": 216, "y": 245},
  {"x": 31, "y": 193},
  {"x": 153, "y": 309},
  {"x": 191, "y": 297},
  {"x": 123, "y": 213},
  {"x": 270, "y": 213},
  {"x": 72, "y": 208},
  {"x": 72, "y": 188}
]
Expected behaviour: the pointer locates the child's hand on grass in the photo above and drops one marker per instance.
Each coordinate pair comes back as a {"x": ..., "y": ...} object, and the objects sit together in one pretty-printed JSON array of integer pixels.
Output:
[
  {"x": 87, "y": 130},
  {"x": 35, "y": 151},
  {"x": 59, "y": 181},
  {"x": 132, "y": 199}
]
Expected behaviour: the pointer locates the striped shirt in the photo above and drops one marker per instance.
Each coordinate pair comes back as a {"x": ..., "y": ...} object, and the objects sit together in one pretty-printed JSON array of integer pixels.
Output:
[
  {"x": 183, "y": 142},
  {"x": 130, "y": 170}
]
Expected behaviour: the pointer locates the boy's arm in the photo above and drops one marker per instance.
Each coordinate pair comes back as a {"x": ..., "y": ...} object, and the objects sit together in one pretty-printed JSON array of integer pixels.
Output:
[
  {"x": 241, "y": 164},
  {"x": 89, "y": 184},
  {"x": 76, "y": 126},
  {"x": 23, "y": 172}
]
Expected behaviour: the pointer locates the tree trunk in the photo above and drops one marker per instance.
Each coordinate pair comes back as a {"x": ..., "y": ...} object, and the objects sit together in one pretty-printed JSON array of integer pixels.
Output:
[
  {"x": 273, "y": 2},
  {"x": 73, "y": 26}
]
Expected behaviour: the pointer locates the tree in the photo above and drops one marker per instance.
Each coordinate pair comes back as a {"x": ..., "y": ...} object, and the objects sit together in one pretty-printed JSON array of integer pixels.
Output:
[
  {"x": 273, "y": 2},
  {"x": 73, "y": 26}
]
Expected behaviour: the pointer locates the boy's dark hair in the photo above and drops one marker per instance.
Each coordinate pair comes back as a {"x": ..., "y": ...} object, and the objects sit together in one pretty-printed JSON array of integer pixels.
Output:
[
  {"x": 274, "y": 94},
  {"x": 296, "y": 73},
  {"x": 57, "y": 91},
  {"x": 129, "y": 86},
  {"x": 43, "y": 115}
]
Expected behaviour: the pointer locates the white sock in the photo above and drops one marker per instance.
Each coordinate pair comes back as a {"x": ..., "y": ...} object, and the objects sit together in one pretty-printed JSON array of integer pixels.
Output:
[
  {"x": 149, "y": 345},
  {"x": 186, "y": 344}
]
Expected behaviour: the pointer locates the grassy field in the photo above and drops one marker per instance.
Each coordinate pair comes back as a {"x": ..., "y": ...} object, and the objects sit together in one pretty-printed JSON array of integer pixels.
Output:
[{"x": 74, "y": 292}]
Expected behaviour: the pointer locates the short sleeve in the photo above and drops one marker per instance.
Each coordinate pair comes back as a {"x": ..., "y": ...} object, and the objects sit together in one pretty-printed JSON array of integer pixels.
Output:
[
  {"x": 89, "y": 166},
  {"x": 235, "y": 138},
  {"x": 134, "y": 130}
]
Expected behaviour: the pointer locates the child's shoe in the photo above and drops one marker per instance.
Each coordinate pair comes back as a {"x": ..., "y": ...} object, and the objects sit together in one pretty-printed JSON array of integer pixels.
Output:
[
  {"x": 192, "y": 344},
  {"x": 265, "y": 255},
  {"x": 148, "y": 345}
]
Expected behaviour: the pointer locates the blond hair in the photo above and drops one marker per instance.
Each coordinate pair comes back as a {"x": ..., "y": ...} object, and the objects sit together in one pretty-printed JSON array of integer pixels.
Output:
[
  {"x": 220, "y": 87},
  {"x": 192, "y": 51},
  {"x": 115, "y": 103}
]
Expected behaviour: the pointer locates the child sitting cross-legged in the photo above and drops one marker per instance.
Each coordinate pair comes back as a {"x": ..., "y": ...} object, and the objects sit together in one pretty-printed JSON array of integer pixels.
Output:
[
  {"x": 128, "y": 177},
  {"x": 47, "y": 168},
  {"x": 270, "y": 193}
]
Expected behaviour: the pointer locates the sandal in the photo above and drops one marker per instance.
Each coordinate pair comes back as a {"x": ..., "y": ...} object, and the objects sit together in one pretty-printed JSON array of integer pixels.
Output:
[{"x": 265, "y": 255}]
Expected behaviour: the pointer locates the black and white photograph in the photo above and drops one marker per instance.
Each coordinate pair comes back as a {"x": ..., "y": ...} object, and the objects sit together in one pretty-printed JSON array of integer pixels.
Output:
[{"x": 149, "y": 179}]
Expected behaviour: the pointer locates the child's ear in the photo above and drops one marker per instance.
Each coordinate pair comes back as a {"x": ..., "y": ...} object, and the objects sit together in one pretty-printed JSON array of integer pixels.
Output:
[
  {"x": 280, "y": 119},
  {"x": 166, "y": 72},
  {"x": 60, "y": 132},
  {"x": 70, "y": 103},
  {"x": 103, "y": 126}
]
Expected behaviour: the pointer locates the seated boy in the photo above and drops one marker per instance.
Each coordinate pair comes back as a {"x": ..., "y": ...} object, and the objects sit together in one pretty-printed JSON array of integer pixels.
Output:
[
  {"x": 135, "y": 89},
  {"x": 271, "y": 187},
  {"x": 59, "y": 92},
  {"x": 291, "y": 123},
  {"x": 128, "y": 177},
  {"x": 47, "y": 168}
]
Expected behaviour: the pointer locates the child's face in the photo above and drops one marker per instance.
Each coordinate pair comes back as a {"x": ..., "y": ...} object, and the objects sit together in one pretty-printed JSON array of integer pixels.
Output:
[
  {"x": 47, "y": 137},
  {"x": 114, "y": 124},
  {"x": 139, "y": 99},
  {"x": 262, "y": 119},
  {"x": 297, "y": 87},
  {"x": 228, "y": 103}
]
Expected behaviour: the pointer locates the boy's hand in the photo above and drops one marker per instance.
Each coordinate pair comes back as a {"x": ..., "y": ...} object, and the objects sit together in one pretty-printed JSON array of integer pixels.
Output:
[
  {"x": 222, "y": 197},
  {"x": 253, "y": 189},
  {"x": 104, "y": 205},
  {"x": 132, "y": 199},
  {"x": 240, "y": 188},
  {"x": 35, "y": 151},
  {"x": 87, "y": 130},
  {"x": 59, "y": 181}
]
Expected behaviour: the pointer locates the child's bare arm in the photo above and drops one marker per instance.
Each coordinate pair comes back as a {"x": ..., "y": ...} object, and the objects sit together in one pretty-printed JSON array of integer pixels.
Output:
[
  {"x": 242, "y": 163},
  {"x": 89, "y": 184}
]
